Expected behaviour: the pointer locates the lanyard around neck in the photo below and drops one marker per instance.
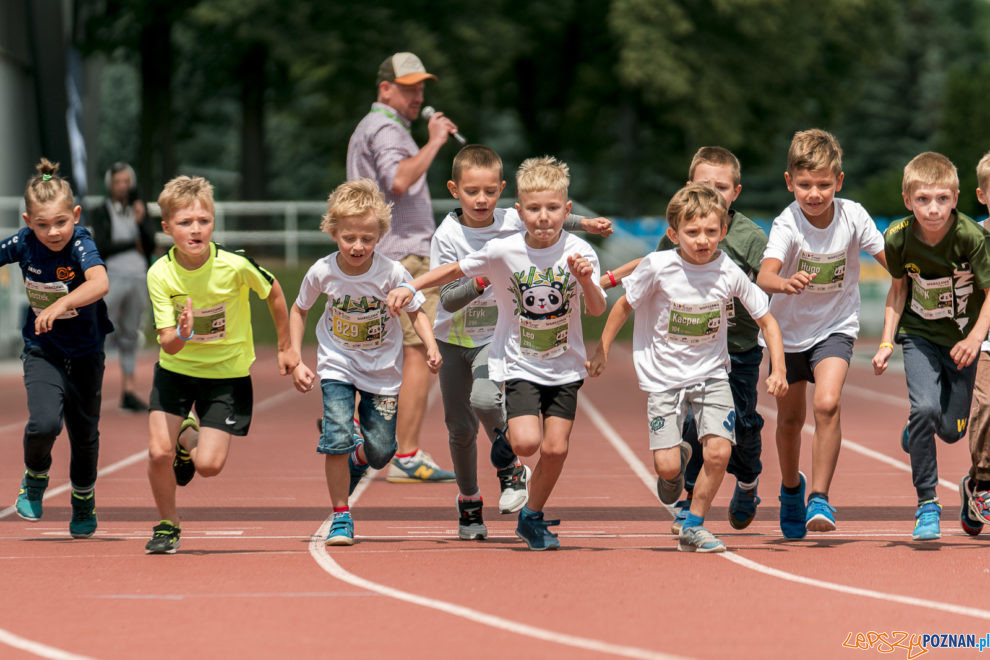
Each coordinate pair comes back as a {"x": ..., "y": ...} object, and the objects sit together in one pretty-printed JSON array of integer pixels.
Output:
[{"x": 391, "y": 115}]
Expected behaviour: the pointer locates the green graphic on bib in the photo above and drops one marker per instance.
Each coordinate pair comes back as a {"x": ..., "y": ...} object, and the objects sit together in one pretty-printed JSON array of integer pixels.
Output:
[
  {"x": 828, "y": 270},
  {"x": 358, "y": 323},
  {"x": 694, "y": 323},
  {"x": 42, "y": 295},
  {"x": 931, "y": 299},
  {"x": 480, "y": 318},
  {"x": 543, "y": 305},
  {"x": 209, "y": 323}
]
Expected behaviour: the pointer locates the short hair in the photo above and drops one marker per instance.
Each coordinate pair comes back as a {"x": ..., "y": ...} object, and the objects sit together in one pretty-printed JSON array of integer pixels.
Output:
[
  {"x": 47, "y": 186},
  {"x": 983, "y": 172},
  {"x": 182, "y": 192},
  {"x": 718, "y": 157},
  {"x": 696, "y": 200},
  {"x": 929, "y": 169},
  {"x": 357, "y": 198},
  {"x": 814, "y": 150},
  {"x": 475, "y": 155},
  {"x": 117, "y": 168},
  {"x": 539, "y": 174}
]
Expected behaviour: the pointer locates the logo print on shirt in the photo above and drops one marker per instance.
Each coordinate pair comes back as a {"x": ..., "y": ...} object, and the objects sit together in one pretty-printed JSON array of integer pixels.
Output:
[{"x": 65, "y": 273}]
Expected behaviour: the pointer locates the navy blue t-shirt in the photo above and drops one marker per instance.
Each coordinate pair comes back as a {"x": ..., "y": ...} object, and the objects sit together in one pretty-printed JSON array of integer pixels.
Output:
[{"x": 49, "y": 275}]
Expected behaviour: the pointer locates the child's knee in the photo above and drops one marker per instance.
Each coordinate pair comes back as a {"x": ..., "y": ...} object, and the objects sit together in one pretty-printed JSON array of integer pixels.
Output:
[
  {"x": 209, "y": 468},
  {"x": 161, "y": 454},
  {"x": 43, "y": 427},
  {"x": 717, "y": 451},
  {"x": 486, "y": 398},
  {"x": 667, "y": 462},
  {"x": 523, "y": 445},
  {"x": 379, "y": 454},
  {"x": 826, "y": 406}
]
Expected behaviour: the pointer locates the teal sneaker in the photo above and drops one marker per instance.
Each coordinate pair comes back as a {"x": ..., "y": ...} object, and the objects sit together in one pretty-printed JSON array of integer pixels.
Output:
[
  {"x": 83, "y": 522},
  {"x": 742, "y": 506},
  {"x": 533, "y": 530},
  {"x": 926, "y": 521},
  {"x": 820, "y": 515},
  {"x": 422, "y": 470},
  {"x": 164, "y": 540},
  {"x": 183, "y": 466},
  {"x": 341, "y": 529},
  {"x": 793, "y": 515},
  {"x": 28, "y": 504},
  {"x": 698, "y": 539}
]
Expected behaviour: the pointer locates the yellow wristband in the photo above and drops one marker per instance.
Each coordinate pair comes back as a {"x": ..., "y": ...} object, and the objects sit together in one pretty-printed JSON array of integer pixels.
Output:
[{"x": 886, "y": 344}]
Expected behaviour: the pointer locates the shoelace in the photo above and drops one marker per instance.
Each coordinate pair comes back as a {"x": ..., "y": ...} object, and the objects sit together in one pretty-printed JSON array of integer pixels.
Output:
[{"x": 928, "y": 513}]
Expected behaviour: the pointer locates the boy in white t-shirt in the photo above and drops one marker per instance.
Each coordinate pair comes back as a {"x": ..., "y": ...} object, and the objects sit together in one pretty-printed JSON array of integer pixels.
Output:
[
  {"x": 812, "y": 264},
  {"x": 680, "y": 350},
  {"x": 464, "y": 327},
  {"x": 360, "y": 344},
  {"x": 537, "y": 349}
]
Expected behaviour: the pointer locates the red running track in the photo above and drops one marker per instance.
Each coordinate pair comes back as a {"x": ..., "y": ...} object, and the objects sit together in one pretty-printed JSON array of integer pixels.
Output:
[{"x": 250, "y": 582}]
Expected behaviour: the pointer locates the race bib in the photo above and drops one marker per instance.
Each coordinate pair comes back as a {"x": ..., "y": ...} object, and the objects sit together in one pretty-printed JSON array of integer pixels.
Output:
[
  {"x": 359, "y": 330},
  {"x": 480, "y": 318},
  {"x": 209, "y": 323},
  {"x": 931, "y": 299},
  {"x": 694, "y": 323},
  {"x": 43, "y": 294},
  {"x": 828, "y": 270},
  {"x": 543, "y": 338}
]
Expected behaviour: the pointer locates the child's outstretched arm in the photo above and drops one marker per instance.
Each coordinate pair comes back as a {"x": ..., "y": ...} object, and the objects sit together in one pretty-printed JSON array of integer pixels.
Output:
[
  {"x": 770, "y": 280},
  {"x": 616, "y": 319},
  {"x": 302, "y": 376},
  {"x": 594, "y": 297},
  {"x": 967, "y": 350},
  {"x": 892, "y": 310},
  {"x": 94, "y": 288},
  {"x": 421, "y": 324},
  {"x": 777, "y": 379},
  {"x": 456, "y": 295},
  {"x": 617, "y": 274},
  {"x": 401, "y": 296},
  {"x": 288, "y": 357}
]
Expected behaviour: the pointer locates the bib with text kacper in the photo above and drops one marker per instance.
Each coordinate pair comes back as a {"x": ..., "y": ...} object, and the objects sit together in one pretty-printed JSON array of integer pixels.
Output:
[
  {"x": 931, "y": 299},
  {"x": 44, "y": 294},
  {"x": 828, "y": 270},
  {"x": 694, "y": 323}
]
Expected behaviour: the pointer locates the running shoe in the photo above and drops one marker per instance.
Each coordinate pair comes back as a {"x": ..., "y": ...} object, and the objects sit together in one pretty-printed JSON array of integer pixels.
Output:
[
  {"x": 820, "y": 516},
  {"x": 681, "y": 510},
  {"x": 183, "y": 465},
  {"x": 698, "y": 539},
  {"x": 793, "y": 515},
  {"x": 514, "y": 482},
  {"x": 165, "y": 540},
  {"x": 83, "y": 522},
  {"x": 979, "y": 504},
  {"x": 357, "y": 471},
  {"x": 970, "y": 523},
  {"x": 669, "y": 490},
  {"x": 742, "y": 506},
  {"x": 423, "y": 470},
  {"x": 470, "y": 526},
  {"x": 534, "y": 531},
  {"x": 926, "y": 521},
  {"x": 28, "y": 504},
  {"x": 341, "y": 529}
]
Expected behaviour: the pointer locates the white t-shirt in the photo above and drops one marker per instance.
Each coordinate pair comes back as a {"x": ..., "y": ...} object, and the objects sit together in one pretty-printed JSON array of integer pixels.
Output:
[
  {"x": 474, "y": 324},
  {"x": 360, "y": 343},
  {"x": 682, "y": 313},
  {"x": 538, "y": 335},
  {"x": 830, "y": 304}
]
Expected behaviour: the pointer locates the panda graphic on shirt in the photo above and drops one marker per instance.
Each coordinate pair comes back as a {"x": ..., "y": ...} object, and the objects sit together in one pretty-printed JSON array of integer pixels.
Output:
[{"x": 543, "y": 303}]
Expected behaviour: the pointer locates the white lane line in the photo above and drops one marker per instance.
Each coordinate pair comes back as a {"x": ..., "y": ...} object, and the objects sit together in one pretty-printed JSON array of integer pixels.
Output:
[
  {"x": 41, "y": 650},
  {"x": 650, "y": 481}
]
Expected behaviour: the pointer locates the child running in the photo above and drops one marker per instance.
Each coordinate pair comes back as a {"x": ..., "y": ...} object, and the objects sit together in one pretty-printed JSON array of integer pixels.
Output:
[
  {"x": 360, "y": 344},
  {"x": 199, "y": 294},
  {"x": 464, "y": 328},
  {"x": 812, "y": 265},
  {"x": 681, "y": 354},
  {"x": 537, "y": 349},
  {"x": 64, "y": 331}
]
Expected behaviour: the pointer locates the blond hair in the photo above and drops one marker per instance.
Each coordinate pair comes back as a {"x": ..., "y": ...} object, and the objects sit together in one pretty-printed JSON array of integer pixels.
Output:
[
  {"x": 929, "y": 169},
  {"x": 182, "y": 192},
  {"x": 475, "y": 155},
  {"x": 814, "y": 150},
  {"x": 983, "y": 172},
  {"x": 717, "y": 157},
  {"x": 696, "y": 200},
  {"x": 540, "y": 174},
  {"x": 47, "y": 186},
  {"x": 357, "y": 199}
]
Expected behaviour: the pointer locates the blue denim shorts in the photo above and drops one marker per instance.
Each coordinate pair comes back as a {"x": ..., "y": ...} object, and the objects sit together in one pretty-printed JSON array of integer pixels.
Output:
[{"x": 376, "y": 414}]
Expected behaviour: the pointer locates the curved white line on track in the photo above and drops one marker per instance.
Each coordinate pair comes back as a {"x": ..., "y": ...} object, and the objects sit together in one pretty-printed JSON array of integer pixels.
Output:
[
  {"x": 41, "y": 650},
  {"x": 650, "y": 481}
]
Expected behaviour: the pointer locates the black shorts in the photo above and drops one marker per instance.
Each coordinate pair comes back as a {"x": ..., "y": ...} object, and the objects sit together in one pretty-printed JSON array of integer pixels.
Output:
[
  {"x": 221, "y": 403},
  {"x": 523, "y": 397},
  {"x": 801, "y": 365}
]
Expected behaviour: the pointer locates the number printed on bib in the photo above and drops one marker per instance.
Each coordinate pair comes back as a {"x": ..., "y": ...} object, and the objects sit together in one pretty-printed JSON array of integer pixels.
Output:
[
  {"x": 694, "y": 323},
  {"x": 209, "y": 323},
  {"x": 828, "y": 270},
  {"x": 41, "y": 295},
  {"x": 931, "y": 299},
  {"x": 543, "y": 338},
  {"x": 359, "y": 330}
]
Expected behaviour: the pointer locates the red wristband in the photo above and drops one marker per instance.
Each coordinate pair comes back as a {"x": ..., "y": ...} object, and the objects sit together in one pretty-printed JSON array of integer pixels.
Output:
[
  {"x": 480, "y": 282},
  {"x": 611, "y": 278}
]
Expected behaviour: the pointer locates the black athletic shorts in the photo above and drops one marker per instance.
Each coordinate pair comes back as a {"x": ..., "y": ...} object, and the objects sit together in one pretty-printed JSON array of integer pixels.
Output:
[
  {"x": 523, "y": 397},
  {"x": 221, "y": 403}
]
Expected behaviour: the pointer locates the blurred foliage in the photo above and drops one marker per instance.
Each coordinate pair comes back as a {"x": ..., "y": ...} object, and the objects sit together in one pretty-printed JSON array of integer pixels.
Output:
[{"x": 262, "y": 96}]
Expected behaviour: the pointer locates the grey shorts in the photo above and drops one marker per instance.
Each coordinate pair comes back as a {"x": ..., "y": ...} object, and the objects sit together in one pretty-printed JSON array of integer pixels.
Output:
[
  {"x": 801, "y": 365},
  {"x": 710, "y": 402}
]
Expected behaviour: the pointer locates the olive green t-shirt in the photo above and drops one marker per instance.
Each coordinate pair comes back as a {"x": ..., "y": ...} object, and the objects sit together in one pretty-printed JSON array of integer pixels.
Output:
[
  {"x": 744, "y": 243},
  {"x": 945, "y": 281}
]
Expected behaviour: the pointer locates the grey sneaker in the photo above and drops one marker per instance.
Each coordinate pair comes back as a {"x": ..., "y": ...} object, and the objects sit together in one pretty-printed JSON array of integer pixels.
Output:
[
  {"x": 669, "y": 491},
  {"x": 698, "y": 539},
  {"x": 514, "y": 482}
]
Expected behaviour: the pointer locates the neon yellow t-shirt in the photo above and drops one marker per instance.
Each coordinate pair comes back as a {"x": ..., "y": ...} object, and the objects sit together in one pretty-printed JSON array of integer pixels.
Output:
[{"x": 222, "y": 345}]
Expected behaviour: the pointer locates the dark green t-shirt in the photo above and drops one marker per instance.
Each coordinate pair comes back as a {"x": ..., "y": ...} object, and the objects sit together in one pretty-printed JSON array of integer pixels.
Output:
[
  {"x": 945, "y": 281},
  {"x": 744, "y": 243}
]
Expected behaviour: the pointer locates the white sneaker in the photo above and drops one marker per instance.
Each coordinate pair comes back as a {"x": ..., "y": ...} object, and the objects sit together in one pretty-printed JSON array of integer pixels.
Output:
[{"x": 515, "y": 488}]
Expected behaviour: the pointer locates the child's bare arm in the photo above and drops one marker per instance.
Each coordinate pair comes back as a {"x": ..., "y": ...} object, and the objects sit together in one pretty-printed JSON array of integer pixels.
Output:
[
  {"x": 892, "y": 310},
  {"x": 770, "y": 280},
  {"x": 94, "y": 288},
  {"x": 171, "y": 338},
  {"x": 881, "y": 258},
  {"x": 288, "y": 356},
  {"x": 967, "y": 350},
  {"x": 616, "y": 319},
  {"x": 421, "y": 324},
  {"x": 618, "y": 274},
  {"x": 777, "y": 379},
  {"x": 302, "y": 376},
  {"x": 594, "y": 297},
  {"x": 401, "y": 296}
]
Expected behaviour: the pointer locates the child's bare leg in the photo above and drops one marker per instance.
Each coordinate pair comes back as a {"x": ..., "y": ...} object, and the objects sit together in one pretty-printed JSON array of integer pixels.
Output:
[
  {"x": 553, "y": 452},
  {"x": 338, "y": 479},
  {"x": 210, "y": 453},
  {"x": 525, "y": 434},
  {"x": 716, "y": 450},
  {"x": 163, "y": 429},
  {"x": 791, "y": 410},
  {"x": 830, "y": 376},
  {"x": 667, "y": 462}
]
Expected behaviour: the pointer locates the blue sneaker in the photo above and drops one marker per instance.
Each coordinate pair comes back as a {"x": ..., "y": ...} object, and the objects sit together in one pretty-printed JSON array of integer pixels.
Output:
[
  {"x": 698, "y": 539},
  {"x": 83, "y": 522},
  {"x": 28, "y": 504},
  {"x": 820, "y": 515},
  {"x": 533, "y": 530},
  {"x": 970, "y": 523},
  {"x": 341, "y": 529},
  {"x": 423, "y": 470},
  {"x": 926, "y": 521},
  {"x": 357, "y": 471},
  {"x": 793, "y": 515},
  {"x": 742, "y": 507},
  {"x": 681, "y": 510},
  {"x": 905, "y": 445}
]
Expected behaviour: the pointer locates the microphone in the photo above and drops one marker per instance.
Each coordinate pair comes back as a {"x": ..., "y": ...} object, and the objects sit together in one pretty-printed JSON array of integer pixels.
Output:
[{"x": 428, "y": 111}]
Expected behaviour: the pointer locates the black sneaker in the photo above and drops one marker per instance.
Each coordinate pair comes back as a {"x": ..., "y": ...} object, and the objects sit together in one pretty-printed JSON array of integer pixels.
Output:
[
  {"x": 130, "y": 403},
  {"x": 183, "y": 466},
  {"x": 165, "y": 540},
  {"x": 470, "y": 525}
]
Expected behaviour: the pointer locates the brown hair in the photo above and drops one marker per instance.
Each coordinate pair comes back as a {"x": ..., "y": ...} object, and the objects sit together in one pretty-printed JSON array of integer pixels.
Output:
[
  {"x": 47, "y": 186},
  {"x": 357, "y": 199},
  {"x": 814, "y": 150},
  {"x": 719, "y": 157},
  {"x": 696, "y": 200},
  {"x": 475, "y": 155},
  {"x": 182, "y": 192},
  {"x": 983, "y": 172},
  {"x": 929, "y": 168}
]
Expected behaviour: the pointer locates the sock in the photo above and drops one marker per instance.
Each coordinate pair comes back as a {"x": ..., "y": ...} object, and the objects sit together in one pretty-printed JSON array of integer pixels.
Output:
[
  {"x": 981, "y": 485},
  {"x": 337, "y": 510},
  {"x": 37, "y": 475},
  {"x": 356, "y": 458},
  {"x": 791, "y": 490},
  {"x": 461, "y": 497},
  {"x": 692, "y": 521},
  {"x": 747, "y": 485},
  {"x": 924, "y": 500},
  {"x": 526, "y": 512},
  {"x": 824, "y": 496},
  {"x": 407, "y": 460},
  {"x": 83, "y": 492},
  {"x": 502, "y": 455}
]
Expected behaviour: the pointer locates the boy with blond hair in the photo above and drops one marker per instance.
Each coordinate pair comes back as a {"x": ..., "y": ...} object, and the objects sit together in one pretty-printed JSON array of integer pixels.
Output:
[
  {"x": 680, "y": 350},
  {"x": 537, "y": 350},
  {"x": 199, "y": 295},
  {"x": 812, "y": 265}
]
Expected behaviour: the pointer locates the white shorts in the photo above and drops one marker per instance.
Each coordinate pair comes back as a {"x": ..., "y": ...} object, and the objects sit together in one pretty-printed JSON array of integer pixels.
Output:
[{"x": 710, "y": 402}]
